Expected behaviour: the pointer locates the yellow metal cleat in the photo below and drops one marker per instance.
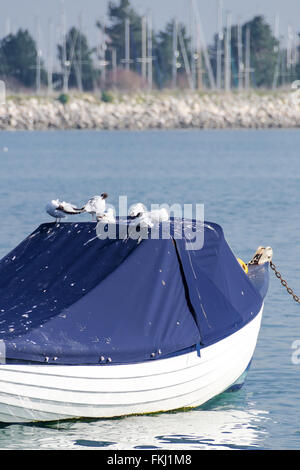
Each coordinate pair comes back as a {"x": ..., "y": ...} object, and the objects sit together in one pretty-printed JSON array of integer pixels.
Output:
[{"x": 244, "y": 265}]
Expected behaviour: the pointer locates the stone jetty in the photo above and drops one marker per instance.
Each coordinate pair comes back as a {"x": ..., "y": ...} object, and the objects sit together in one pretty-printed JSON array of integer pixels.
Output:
[{"x": 157, "y": 110}]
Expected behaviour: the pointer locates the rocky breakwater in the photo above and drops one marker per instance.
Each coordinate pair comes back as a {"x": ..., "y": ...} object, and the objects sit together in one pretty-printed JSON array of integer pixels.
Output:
[{"x": 154, "y": 111}]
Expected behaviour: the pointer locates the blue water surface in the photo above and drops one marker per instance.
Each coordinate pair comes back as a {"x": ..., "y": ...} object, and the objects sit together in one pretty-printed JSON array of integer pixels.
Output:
[{"x": 249, "y": 182}]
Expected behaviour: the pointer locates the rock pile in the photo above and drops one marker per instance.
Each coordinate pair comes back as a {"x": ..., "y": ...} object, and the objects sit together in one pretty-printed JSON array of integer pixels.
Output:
[{"x": 154, "y": 111}]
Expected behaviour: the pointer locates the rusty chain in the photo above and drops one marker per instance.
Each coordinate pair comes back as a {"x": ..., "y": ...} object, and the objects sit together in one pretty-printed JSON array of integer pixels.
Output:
[{"x": 284, "y": 283}]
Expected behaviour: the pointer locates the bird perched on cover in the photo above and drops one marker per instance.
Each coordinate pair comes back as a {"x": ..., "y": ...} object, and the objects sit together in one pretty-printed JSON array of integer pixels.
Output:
[
  {"x": 136, "y": 209},
  {"x": 159, "y": 215},
  {"x": 96, "y": 205},
  {"x": 107, "y": 217},
  {"x": 60, "y": 209},
  {"x": 148, "y": 218}
]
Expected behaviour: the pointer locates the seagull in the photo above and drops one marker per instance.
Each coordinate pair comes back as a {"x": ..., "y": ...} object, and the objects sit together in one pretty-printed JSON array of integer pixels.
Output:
[
  {"x": 60, "y": 209},
  {"x": 96, "y": 205},
  {"x": 144, "y": 220},
  {"x": 148, "y": 219},
  {"x": 159, "y": 215},
  {"x": 136, "y": 210},
  {"x": 107, "y": 217}
]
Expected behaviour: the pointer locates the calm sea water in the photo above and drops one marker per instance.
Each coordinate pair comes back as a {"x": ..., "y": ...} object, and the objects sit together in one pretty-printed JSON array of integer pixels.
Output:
[{"x": 249, "y": 182}]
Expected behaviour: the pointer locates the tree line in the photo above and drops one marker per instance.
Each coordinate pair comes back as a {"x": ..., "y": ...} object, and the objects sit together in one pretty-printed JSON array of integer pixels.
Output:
[{"x": 121, "y": 62}]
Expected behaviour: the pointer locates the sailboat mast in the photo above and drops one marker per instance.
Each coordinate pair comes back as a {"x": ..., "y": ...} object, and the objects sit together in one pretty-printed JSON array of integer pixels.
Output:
[
  {"x": 127, "y": 43},
  {"x": 174, "y": 55},
  {"x": 228, "y": 54},
  {"x": 38, "y": 57},
  {"x": 50, "y": 58},
  {"x": 144, "y": 48},
  {"x": 240, "y": 55},
  {"x": 247, "y": 58},
  {"x": 150, "y": 68},
  {"x": 64, "y": 47},
  {"x": 219, "y": 44}
]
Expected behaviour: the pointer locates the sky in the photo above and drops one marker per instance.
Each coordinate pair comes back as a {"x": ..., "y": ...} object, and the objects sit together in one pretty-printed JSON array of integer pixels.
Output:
[{"x": 29, "y": 13}]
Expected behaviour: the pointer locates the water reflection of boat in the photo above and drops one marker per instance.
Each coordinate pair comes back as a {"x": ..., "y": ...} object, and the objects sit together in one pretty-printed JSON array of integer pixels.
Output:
[
  {"x": 199, "y": 429},
  {"x": 217, "y": 427},
  {"x": 102, "y": 328}
]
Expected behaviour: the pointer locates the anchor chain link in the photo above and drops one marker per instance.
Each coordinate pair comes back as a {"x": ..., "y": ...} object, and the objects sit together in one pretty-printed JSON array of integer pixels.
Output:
[{"x": 284, "y": 283}]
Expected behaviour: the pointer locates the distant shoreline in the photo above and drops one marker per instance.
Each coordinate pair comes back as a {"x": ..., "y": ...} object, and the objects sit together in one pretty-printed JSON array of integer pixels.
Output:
[{"x": 157, "y": 110}]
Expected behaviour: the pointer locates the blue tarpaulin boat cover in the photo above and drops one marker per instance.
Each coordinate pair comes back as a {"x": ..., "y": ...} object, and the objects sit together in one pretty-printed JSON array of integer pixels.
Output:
[{"x": 67, "y": 297}]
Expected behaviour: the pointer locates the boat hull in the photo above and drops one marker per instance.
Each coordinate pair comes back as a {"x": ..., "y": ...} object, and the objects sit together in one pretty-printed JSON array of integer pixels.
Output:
[{"x": 53, "y": 392}]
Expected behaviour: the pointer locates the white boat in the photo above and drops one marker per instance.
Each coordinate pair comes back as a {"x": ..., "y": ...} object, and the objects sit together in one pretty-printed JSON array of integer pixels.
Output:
[{"x": 46, "y": 389}]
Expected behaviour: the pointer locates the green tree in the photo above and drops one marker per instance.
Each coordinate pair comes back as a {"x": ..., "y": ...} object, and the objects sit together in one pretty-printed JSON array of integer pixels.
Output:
[
  {"x": 78, "y": 57},
  {"x": 162, "y": 51},
  {"x": 117, "y": 14},
  {"x": 263, "y": 46},
  {"x": 263, "y": 52},
  {"x": 18, "y": 57}
]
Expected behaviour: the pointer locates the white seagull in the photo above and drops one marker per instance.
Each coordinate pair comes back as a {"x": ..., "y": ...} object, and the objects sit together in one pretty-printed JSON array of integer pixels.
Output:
[
  {"x": 137, "y": 209},
  {"x": 148, "y": 219},
  {"x": 96, "y": 205},
  {"x": 60, "y": 209},
  {"x": 107, "y": 217},
  {"x": 159, "y": 215},
  {"x": 144, "y": 220}
]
